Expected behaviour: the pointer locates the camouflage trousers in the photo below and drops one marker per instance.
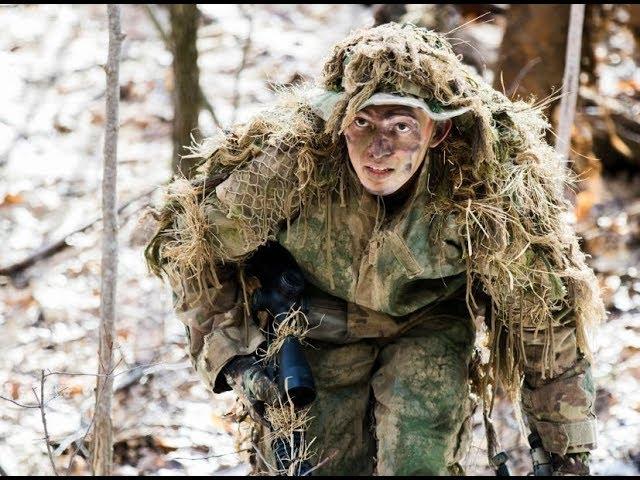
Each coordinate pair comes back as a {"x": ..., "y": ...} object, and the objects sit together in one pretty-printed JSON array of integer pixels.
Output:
[{"x": 394, "y": 406}]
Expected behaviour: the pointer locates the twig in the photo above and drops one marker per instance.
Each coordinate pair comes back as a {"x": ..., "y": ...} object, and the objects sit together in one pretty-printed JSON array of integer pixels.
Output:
[
  {"x": 466, "y": 24},
  {"x": 61, "y": 244},
  {"x": 19, "y": 404},
  {"x": 37, "y": 405},
  {"x": 44, "y": 421},
  {"x": 151, "y": 368},
  {"x": 143, "y": 370},
  {"x": 243, "y": 63},
  {"x": 164, "y": 426},
  {"x": 257, "y": 451},
  {"x": 212, "y": 456},
  {"x": 513, "y": 88},
  {"x": 41, "y": 405},
  {"x": 156, "y": 23},
  {"x": 322, "y": 462},
  {"x": 80, "y": 443},
  {"x": 206, "y": 105},
  {"x": 203, "y": 100}
]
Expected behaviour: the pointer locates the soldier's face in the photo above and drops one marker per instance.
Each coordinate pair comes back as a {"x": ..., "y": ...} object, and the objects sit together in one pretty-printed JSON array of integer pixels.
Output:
[{"x": 388, "y": 143}]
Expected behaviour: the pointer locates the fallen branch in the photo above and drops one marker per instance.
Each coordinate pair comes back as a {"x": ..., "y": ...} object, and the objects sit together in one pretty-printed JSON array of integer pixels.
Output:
[{"x": 61, "y": 244}]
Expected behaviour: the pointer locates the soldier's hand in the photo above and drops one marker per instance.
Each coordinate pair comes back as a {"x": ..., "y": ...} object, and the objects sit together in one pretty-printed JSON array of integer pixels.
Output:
[
  {"x": 571, "y": 464},
  {"x": 250, "y": 381}
]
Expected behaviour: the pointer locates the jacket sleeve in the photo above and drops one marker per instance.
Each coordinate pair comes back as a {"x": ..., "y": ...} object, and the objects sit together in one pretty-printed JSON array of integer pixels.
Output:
[
  {"x": 560, "y": 404},
  {"x": 208, "y": 234},
  {"x": 212, "y": 307},
  {"x": 217, "y": 325}
]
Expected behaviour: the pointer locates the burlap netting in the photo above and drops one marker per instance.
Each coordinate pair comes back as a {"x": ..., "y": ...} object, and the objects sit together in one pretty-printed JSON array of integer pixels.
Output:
[{"x": 495, "y": 173}]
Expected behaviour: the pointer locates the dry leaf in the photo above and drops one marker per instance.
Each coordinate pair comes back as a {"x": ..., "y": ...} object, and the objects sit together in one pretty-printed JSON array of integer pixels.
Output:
[{"x": 12, "y": 199}]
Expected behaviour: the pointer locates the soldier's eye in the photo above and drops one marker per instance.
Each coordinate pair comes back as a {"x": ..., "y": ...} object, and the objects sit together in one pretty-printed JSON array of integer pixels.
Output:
[
  {"x": 402, "y": 127},
  {"x": 361, "y": 122}
]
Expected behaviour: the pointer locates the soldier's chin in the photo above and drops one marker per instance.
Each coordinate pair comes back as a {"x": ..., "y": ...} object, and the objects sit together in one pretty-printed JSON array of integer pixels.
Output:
[{"x": 381, "y": 190}]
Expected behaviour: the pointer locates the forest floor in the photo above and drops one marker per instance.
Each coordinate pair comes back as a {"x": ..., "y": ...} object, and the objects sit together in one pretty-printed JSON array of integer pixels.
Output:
[{"x": 51, "y": 134}]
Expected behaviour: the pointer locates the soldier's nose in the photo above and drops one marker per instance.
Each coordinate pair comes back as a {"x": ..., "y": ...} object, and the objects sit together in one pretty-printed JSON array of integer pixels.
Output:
[{"x": 380, "y": 148}]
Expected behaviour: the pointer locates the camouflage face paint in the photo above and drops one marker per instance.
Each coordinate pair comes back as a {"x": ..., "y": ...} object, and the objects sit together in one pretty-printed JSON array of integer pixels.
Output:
[{"x": 387, "y": 144}]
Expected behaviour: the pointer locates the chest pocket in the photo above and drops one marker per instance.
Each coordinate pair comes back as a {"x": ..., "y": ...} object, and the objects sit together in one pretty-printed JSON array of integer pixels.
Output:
[
  {"x": 410, "y": 266},
  {"x": 402, "y": 253}
]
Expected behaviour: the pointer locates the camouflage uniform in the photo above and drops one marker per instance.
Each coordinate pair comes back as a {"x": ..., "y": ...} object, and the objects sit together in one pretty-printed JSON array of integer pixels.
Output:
[
  {"x": 393, "y": 341},
  {"x": 390, "y": 278}
]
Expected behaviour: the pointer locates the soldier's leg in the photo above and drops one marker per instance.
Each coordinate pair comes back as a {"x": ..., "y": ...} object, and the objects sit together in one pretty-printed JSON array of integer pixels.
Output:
[
  {"x": 342, "y": 425},
  {"x": 423, "y": 406}
]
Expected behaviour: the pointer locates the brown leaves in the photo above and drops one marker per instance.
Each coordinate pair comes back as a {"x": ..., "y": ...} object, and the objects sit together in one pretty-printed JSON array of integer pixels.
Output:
[{"x": 11, "y": 199}]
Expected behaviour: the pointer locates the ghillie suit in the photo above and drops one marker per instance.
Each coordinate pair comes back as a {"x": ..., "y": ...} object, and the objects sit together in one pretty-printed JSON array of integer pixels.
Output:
[{"x": 491, "y": 197}]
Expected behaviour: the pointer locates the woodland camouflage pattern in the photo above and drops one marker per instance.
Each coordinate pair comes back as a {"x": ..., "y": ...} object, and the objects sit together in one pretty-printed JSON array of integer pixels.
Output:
[{"x": 395, "y": 289}]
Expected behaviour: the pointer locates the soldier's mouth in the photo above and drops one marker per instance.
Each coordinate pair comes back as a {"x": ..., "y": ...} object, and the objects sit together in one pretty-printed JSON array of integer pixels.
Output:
[{"x": 378, "y": 172}]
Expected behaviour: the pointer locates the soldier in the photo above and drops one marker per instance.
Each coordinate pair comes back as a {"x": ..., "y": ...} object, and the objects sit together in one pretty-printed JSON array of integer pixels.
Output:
[{"x": 422, "y": 206}]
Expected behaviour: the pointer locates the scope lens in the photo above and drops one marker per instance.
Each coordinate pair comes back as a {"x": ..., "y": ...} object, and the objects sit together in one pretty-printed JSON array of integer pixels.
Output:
[{"x": 291, "y": 283}]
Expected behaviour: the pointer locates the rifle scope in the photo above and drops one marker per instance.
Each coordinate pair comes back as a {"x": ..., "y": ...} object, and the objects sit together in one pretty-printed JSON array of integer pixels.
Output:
[{"x": 278, "y": 297}]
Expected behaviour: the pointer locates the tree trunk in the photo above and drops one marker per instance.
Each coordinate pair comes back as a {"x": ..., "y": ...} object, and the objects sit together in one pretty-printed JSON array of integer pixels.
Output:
[
  {"x": 531, "y": 58},
  {"x": 103, "y": 436},
  {"x": 570, "y": 80},
  {"x": 186, "y": 91},
  {"x": 388, "y": 12},
  {"x": 533, "y": 49}
]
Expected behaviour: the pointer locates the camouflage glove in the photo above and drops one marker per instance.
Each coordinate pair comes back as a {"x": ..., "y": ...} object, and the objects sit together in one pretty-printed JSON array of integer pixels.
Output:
[
  {"x": 252, "y": 384},
  {"x": 571, "y": 464}
]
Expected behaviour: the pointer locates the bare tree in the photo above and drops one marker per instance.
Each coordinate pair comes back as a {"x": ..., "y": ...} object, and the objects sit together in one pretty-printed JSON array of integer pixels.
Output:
[
  {"x": 186, "y": 74},
  {"x": 103, "y": 436}
]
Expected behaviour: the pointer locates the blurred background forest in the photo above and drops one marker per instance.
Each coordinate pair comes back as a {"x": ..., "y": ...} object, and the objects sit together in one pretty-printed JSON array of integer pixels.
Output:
[{"x": 190, "y": 70}]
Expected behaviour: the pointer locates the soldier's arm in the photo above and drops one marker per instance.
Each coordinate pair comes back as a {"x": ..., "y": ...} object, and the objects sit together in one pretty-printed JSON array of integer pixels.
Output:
[
  {"x": 212, "y": 307},
  {"x": 218, "y": 326},
  {"x": 558, "y": 400},
  {"x": 209, "y": 299},
  {"x": 559, "y": 403},
  {"x": 216, "y": 317}
]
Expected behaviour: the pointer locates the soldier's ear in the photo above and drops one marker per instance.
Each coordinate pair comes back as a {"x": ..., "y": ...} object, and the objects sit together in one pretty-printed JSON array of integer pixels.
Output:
[{"x": 442, "y": 130}]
